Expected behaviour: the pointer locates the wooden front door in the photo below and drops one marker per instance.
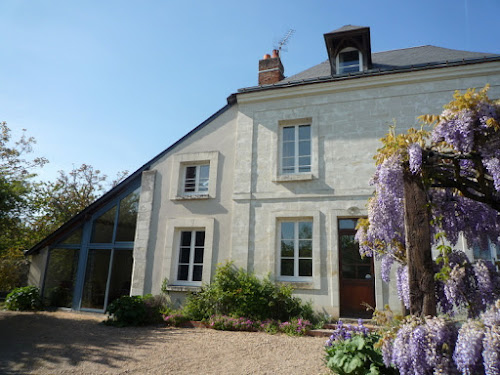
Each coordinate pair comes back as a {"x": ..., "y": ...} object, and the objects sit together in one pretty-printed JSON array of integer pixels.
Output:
[{"x": 357, "y": 281}]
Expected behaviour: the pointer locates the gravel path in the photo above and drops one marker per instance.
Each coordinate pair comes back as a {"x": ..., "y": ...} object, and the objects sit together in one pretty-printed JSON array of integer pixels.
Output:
[{"x": 73, "y": 343}]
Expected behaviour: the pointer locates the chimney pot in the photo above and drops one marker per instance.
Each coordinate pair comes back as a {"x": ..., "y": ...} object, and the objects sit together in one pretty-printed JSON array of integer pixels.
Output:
[
  {"x": 276, "y": 53},
  {"x": 266, "y": 56},
  {"x": 271, "y": 69}
]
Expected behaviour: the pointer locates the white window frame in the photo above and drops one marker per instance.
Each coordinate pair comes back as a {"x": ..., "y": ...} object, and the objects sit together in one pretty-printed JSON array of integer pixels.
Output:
[
  {"x": 171, "y": 255},
  {"x": 191, "y": 264},
  {"x": 349, "y": 49},
  {"x": 178, "y": 165},
  {"x": 296, "y": 256},
  {"x": 296, "y": 141},
  {"x": 273, "y": 259},
  {"x": 197, "y": 184}
]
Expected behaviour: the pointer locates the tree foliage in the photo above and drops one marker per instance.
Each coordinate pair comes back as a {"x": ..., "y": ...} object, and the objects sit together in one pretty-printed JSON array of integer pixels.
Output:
[{"x": 455, "y": 158}]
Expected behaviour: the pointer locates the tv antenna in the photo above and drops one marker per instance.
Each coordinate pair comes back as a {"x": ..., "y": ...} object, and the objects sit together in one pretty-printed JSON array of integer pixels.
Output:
[{"x": 283, "y": 41}]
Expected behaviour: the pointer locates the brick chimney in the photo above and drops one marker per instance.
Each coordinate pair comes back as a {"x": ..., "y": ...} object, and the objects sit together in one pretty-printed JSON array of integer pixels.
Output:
[{"x": 270, "y": 69}]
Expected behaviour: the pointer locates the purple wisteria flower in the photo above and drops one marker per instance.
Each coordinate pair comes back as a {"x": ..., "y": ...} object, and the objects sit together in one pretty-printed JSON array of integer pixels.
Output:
[{"x": 415, "y": 158}]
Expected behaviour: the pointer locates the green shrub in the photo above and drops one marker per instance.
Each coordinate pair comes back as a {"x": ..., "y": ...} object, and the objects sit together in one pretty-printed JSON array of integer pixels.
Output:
[
  {"x": 295, "y": 327},
  {"x": 174, "y": 319},
  {"x": 236, "y": 293},
  {"x": 137, "y": 310},
  {"x": 26, "y": 298}
]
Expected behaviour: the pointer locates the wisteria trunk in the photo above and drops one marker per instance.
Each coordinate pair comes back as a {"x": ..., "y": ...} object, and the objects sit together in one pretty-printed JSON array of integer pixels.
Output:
[{"x": 418, "y": 248}]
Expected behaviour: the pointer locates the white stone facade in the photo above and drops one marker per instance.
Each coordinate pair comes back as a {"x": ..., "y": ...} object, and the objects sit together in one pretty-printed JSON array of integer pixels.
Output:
[{"x": 248, "y": 197}]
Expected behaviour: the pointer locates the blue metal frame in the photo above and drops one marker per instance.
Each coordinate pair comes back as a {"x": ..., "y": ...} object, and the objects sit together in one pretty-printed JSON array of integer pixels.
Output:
[{"x": 86, "y": 245}]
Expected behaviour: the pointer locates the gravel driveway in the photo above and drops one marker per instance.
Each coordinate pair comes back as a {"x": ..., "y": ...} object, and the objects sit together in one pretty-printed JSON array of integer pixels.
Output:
[{"x": 75, "y": 343}]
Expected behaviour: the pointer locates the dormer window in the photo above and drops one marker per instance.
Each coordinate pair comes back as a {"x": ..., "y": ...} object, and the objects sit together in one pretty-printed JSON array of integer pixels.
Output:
[{"x": 349, "y": 60}]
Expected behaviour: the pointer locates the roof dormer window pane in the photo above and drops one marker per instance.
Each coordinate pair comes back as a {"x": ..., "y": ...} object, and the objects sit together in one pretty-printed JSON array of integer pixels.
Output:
[{"x": 349, "y": 60}]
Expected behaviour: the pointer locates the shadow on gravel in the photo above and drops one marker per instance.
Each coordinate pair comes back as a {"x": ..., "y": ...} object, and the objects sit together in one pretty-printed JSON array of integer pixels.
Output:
[{"x": 33, "y": 340}]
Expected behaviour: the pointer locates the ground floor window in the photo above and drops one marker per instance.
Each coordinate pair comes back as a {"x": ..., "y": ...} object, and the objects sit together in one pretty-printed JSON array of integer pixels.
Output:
[
  {"x": 61, "y": 276},
  {"x": 107, "y": 277},
  {"x": 191, "y": 249},
  {"x": 296, "y": 249}
]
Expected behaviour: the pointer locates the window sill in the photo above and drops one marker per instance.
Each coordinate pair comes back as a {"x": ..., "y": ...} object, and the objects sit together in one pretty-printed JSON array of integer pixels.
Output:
[
  {"x": 298, "y": 284},
  {"x": 294, "y": 177},
  {"x": 191, "y": 197},
  {"x": 183, "y": 288}
]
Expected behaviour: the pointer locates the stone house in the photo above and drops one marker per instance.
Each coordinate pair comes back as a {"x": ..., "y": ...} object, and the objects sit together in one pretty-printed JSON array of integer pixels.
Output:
[{"x": 274, "y": 181}]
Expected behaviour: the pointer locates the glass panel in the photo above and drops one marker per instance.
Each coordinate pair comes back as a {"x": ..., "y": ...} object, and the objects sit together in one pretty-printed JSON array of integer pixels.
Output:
[
  {"x": 127, "y": 217},
  {"x": 305, "y": 230},
  {"x": 204, "y": 171},
  {"x": 479, "y": 253},
  {"x": 288, "y": 165},
  {"x": 305, "y": 248},
  {"x": 288, "y": 149},
  {"x": 305, "y": 162},
  {"x": 286, "y": 267},
  {"x": 121, "y": 274},
  {"x": 287, "y": 249},
  {"x": 304, "y": 132},
  {"x": 364, "y": 272},
  {"x": 60, "y": 279},
  {"x": 74, "y": 238},
  {"x": 198, "y": 255},
  {"x": 287, "y": 231},
  {"x": 200, "y": 238},
  {"x": 96, "y": 276},
  {"x": 184, "y": 255},
  {"x": 190, "y": 179},
  {"x": 348, "y": 271},
  {"x": 185, "y": 238},
  {"x": 102, "y": 230},
  {"x": 197, "y": 273},
  {"x": 183, "y": 272},
  {"x": 348, "y": 223},
  {"x": 349, "y": 62},
  {"x": 305, "y": 148},
  {"x": 288, "y": 133},
  {"x": 305, "y": 267}
]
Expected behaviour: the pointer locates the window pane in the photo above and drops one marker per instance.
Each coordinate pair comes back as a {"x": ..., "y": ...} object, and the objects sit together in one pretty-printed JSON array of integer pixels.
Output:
[
  {"x": 184, "y": 255},
  {"x": 347, "y": 223},
  {"x": 96, "y": 277},
  {"x": 190, "y": 172},
  {"x": 305, "y": 267},
  {"x": 287, "y": 231},
  {"x": 287, "y": 249},
  {"x": 198, "y": 255},
  {"x": 185, "y": 238},
  {"x": 349, "y": 57},
  {"x": 286, "y": 267},
  {"x": 74, "y": 238},
  {"x": 304, "y": 132},
  {"x": 304, "y": 148},
  {"x": 203, "y": 185},
  {"x": 305, "y": 248},
  {"x": 102, "y": 230},
  {"x": 197, "y": 273},
  {"x": 127, "y": 217},
  {"x": 200, "y": 238},
  {"x": 61, "y": 275},
  {"x": 204, "y": 171},
  {"x": 182, "y": 272},
  {"x": 480, "y": 253},
  {"x": 190, "y": 186},
  {"x": 288, "y": 133},
  {"x": 288, "y": 149},
  {"x": 121, "y": 274},
  {"x": 305, "y": 230},
  {"x": 305, "y": 162},
  {"x": 364, "y": 272}
]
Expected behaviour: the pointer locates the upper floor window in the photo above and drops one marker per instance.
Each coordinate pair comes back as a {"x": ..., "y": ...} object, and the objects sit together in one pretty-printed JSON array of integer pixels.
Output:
[
  {"x": 349, "y": 60},
  {"x": 296, "y": 149},
  {"x": 196, "y": 179},
  {"x": 296, "y": 249}
]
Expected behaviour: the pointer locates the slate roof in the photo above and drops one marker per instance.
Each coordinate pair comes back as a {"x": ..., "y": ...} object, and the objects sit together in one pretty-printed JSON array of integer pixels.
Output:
[
  {"x": 415, "y": 58},
  {"x": 347, "y": 28}
]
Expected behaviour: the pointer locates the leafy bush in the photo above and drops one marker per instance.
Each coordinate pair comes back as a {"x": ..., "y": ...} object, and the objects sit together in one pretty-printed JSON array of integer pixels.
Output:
[
  {"x": 226, "y": 323},
  {"x": 136, "y": 310},
  {"x": 26, "y": 298},
  {"x": 175, "y": 319},
  {"x": 352, "y": 350},
  {"x": 295, "y": 327},
  {"x": 13, "y": 270},
  {"x": 235, "y": 292}
]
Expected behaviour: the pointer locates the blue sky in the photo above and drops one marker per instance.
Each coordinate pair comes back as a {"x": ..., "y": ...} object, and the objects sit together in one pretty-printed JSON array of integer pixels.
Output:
[{"x": 114, "y": 83}]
